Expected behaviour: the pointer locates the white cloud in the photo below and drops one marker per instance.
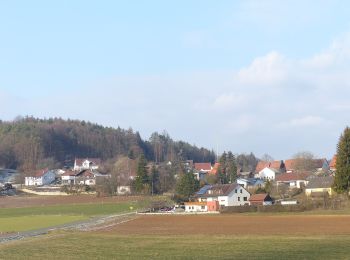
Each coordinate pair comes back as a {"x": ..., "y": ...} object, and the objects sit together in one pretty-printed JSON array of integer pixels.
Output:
[
  {"x": 305, "y": 121},
  {"x": 270, "y": 69},
  {"x": 230, "y": 101}
]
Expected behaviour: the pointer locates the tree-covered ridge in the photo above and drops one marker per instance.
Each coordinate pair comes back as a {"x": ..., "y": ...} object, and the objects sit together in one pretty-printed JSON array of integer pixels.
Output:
[{"x": 31, "y": 143}]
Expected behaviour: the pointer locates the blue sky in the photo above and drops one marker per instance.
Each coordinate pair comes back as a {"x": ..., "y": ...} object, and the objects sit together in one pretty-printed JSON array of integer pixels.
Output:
[{"x": 262, "y": 76}]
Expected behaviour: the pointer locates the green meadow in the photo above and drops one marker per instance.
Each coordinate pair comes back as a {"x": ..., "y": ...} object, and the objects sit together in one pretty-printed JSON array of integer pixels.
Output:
[
  {"x": 113, "y": 246},
  {"x": 30, "y": 218}
]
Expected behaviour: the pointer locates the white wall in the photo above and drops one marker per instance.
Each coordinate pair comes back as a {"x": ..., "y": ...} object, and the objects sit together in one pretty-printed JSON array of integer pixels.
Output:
[
  {"x": 235, "y": 198},
  {"x": 267, "y": 173},
  {"x": 196, "y": 208}
]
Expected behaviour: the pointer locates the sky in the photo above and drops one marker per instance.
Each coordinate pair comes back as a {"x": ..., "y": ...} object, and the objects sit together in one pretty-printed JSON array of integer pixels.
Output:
[{"x": 261, "y": 76}]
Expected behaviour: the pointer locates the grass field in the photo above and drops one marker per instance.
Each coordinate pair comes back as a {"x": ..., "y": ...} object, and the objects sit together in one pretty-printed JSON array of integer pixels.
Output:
[
  {"x": 26, "y": 223},
  {"x": 102, "y": 246},
  {"x": 30, "y": 218},
  {"x": 91, "y": 209}
]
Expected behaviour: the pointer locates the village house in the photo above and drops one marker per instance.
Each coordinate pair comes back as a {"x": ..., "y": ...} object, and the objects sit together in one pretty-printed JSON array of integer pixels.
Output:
[
  {"x": 318, "y": 164},
  {"x": 201, "y": 170},
  {"x": 319, "y": 186},
  {"x": 251, "y": 183},
  {"x": 293, "y": 179},
  {"x": 86, "y": 164},
  {"x": 86, "y": 177},
  {"x": 267, "y": 173},
  {"x": 225, "y": 194},
  {"x": 196, "y": 206},
  {"x": 260, "y": 199},
  {"x": 278, "y": 165},
  {"x": 41, "y": 177}
]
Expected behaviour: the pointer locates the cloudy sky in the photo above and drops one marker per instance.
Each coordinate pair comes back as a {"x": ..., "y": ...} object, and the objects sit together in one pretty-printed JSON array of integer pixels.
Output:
[{"x": 263, "y": 76}]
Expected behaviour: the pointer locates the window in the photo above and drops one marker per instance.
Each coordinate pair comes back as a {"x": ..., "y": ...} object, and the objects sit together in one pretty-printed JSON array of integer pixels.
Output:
[
  {"x": 239, "y": 198},
  {"x": 245, "y": 198},
  {"x": 203, "y": 207},
  {"x": 235, "y": 190},
  {"x": 240, "y": 190}
]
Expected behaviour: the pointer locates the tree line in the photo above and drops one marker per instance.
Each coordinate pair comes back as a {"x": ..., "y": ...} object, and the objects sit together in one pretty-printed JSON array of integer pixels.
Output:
[{"x": 30, "y": 143}]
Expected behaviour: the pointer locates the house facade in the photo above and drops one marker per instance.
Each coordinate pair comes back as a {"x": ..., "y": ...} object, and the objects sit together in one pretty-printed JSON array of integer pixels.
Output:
[
  {"x": 85, "y": 177},
  {"x": 267, "y": 173},
  {"x": 225, "y": 194},
  {"x": 320, "y": 185},
  {"x": 42, "y": 177},
  {"x": 196, "y": 206},
  {"x": 86, "y": 164},
  {"x": 293, "y": 179}
]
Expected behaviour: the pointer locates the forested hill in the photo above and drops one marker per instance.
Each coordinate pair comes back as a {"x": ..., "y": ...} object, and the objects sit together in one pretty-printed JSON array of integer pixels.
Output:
[{"x": 30, "y": 143}]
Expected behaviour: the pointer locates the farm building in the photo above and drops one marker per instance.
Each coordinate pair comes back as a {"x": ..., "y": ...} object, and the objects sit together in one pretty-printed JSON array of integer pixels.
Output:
[
  {"x": 318, "y": 185},
  {"x": 41, "y": 177},
  {"x": 260, "y": 199},
  {"x": 293, "y": 179},
  {"x": 86, "y": 164}
]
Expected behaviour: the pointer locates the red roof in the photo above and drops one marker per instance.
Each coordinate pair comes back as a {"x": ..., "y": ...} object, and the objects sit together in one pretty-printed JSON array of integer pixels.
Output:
[
  {"x": 290, "y": 163},
  {"x": 70, "y": 173},
  {"x": 215, "y": 169},
  {"x": 333, "y": 162},
  {"x": 41, "y": 172},
  {"x": 292, "y": 176},
  {"x": 262, "y": 164},
  {"x": 79, "y": 161},
  {"x": 259, "y": 197},
  {"x": 202, "y": 166}
]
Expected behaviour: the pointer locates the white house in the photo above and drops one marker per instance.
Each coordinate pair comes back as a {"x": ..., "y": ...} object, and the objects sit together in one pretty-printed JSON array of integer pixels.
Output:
[
  {"x": 87, "y": 177},
  {"x": 293, "y": 179},
  {"x": 86, "y": 164},
  {"x": 42, "y": 177},
  {"x": 267, "y": 173},
  {"x": 196, "y": 206},
  {"x": 226, "y": 194}
]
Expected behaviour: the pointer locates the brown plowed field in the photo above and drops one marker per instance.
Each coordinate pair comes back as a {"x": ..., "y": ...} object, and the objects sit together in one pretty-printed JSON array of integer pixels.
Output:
[
  {"x": 30, "y": 201},
  {"x": 235, "y": 224}
]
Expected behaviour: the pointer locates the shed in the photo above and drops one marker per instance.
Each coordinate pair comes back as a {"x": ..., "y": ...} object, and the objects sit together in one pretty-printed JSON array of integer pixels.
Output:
[{"x": 260, "y": 199}]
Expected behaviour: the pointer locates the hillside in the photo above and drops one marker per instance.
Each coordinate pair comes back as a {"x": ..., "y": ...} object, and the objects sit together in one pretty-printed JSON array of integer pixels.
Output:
[{"x": 30, "y": 143}]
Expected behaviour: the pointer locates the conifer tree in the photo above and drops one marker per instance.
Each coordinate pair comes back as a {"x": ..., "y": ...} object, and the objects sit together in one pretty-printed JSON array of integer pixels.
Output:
[
  {"x": 231, "y": 167},
  {"x": 342, "y": 174},
  {"x": 186, "y": 186},
  {"x": 141, "y": 177}
]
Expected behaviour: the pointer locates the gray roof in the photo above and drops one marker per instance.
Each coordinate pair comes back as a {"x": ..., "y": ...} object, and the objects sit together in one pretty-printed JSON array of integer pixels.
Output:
[
  {"x": 217, "y": 190},
  {"x": 320, "y": 182}
]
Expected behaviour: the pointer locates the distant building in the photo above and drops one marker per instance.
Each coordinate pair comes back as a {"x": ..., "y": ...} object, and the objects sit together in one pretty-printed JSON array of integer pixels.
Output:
[
  {"x": 278, "y": 165},
  {"x": 41, "y": 177},
  {"x": 86, "y": 164},
  {"x": 260, "y": 199},
  {"x": 225, "y": 194},
  {"x": 267, "y": 173},
  {"x": 87, "y": 177},
  {"x": 319, "y": 185},
  {"x": 293, "y": 179}
]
